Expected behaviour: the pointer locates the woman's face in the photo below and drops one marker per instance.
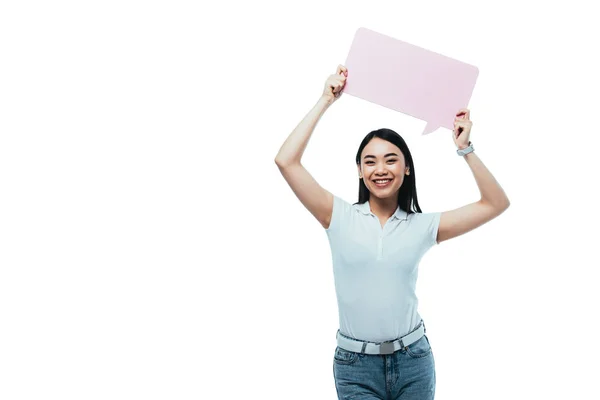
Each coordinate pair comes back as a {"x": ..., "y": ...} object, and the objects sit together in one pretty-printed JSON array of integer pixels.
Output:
[{"x": 382, "y": 168}]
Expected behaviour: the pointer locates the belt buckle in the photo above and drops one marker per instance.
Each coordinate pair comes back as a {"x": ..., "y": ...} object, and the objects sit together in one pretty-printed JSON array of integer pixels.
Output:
[{"x": 386, "y": 348}]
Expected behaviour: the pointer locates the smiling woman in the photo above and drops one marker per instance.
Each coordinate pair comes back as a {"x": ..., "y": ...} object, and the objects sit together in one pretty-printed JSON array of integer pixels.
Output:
[
  {"x": 385, "y": 168},
  {"x": 376, "y": 245}
]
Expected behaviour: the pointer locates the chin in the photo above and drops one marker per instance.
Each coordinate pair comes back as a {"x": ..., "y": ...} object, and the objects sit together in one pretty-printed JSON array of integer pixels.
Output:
[{"x": 379, "y": 195}]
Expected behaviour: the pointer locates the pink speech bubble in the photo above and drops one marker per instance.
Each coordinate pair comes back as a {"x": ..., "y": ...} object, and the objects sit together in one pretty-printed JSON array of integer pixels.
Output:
[{"x": 409, "y": 79}]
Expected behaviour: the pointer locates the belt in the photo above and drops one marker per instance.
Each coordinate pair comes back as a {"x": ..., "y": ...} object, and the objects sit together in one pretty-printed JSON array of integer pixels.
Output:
[{"x": 388, "y": 347}]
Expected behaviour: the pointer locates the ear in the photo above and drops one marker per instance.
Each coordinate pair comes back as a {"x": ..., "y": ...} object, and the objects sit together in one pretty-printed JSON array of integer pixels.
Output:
[
  {"x": 407, "y": 171},
  {"x": 359, "y": 172}
]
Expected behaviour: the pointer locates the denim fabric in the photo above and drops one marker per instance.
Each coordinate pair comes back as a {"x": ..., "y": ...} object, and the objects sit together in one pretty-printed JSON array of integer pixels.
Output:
[{"x": 407, "y": 374}]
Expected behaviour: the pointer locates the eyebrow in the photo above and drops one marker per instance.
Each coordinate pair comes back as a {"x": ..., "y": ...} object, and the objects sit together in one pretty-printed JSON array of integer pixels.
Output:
[{"x": 387, "y": 155}]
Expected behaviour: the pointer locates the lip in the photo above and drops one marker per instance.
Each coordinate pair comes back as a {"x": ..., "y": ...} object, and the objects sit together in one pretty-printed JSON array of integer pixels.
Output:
[{"x": 385, "y": 185}]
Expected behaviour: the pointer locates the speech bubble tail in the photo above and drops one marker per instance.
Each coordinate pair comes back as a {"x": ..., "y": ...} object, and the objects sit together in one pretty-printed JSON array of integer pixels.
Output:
[{"x": 430, "y": 127}]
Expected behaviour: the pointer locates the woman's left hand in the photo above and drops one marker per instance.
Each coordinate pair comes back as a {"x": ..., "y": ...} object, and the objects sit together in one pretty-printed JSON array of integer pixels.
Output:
[{"x": 462, "y": 128}]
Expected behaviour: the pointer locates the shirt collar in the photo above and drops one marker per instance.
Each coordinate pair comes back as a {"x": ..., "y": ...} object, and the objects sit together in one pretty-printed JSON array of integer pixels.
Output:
[{"x": 365, "y": 208}]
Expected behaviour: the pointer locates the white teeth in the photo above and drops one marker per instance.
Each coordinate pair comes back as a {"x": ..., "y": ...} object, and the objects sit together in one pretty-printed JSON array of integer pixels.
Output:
[{"x": 383, "y": 181}]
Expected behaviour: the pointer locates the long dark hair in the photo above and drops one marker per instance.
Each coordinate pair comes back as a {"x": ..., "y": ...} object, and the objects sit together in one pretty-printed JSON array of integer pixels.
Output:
[{"x": 407, "y": 195}]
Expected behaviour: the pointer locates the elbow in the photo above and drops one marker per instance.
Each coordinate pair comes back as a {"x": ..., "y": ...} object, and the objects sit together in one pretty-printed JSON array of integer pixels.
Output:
[
  {"x": 504, "y": 205},
  {"x": 498, "y": 205},
  {"x": 281, "y": 163},
  {"x": 505, "y": 202}
]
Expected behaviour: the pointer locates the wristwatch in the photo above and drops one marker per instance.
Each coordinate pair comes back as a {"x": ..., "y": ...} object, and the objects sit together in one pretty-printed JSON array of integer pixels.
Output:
[{"x": 466, "y": 150}]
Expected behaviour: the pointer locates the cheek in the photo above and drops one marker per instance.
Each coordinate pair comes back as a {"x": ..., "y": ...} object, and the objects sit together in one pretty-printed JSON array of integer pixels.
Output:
[
  {"x": 400, "y": 180},
  {"x": 398, "y": 170}
]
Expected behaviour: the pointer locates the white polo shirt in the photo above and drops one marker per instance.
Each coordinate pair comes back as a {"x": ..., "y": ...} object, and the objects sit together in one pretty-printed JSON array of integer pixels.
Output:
[{"x": 375, "y": 269}]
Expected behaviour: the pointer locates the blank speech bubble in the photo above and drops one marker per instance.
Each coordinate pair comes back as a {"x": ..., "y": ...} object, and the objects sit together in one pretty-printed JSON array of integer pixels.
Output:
[{"x": 409, "y": 79}]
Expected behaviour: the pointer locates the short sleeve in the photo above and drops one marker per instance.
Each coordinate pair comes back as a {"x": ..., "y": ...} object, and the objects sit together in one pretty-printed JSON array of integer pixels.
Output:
[
  {"x": 433, "y": 223},
  {"x": 339, "y": 215},
  {"x": 428, "y": 224}
]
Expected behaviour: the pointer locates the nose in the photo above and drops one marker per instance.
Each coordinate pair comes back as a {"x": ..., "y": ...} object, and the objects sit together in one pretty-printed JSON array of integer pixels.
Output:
[{"x": 380, "y": 171}]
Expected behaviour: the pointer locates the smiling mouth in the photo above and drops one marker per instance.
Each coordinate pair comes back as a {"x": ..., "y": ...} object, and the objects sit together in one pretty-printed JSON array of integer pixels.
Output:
[{"x": 382, "y": 182}]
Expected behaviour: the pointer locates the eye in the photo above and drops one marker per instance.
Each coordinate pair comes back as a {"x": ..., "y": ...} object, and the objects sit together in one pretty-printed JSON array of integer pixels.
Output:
[
  {"x": 392, "y": 161},
  {"x": 370, "y": 162}
]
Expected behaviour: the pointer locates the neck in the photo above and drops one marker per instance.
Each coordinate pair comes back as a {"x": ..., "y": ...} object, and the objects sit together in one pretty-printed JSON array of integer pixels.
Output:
[{"x": 383, "y": 207}]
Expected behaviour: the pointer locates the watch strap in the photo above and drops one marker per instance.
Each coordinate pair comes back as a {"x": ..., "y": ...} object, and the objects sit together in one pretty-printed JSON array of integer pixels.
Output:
[{"x": 466, "y": 150}]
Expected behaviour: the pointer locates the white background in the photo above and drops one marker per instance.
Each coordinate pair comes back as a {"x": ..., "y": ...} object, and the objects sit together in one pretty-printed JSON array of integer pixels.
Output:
[{"x": 150, "y": 249}]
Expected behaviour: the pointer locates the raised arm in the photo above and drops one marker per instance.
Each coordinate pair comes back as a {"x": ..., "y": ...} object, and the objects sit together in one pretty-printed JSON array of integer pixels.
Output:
[
  {"x": 318, "y": 201},
  {"x": 493, "y": 200}
]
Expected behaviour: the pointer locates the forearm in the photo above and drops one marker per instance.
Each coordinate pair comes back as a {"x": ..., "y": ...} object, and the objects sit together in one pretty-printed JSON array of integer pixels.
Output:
[
  {"x": 292, "y": 149},
  {"x": 491, "y": 191}
]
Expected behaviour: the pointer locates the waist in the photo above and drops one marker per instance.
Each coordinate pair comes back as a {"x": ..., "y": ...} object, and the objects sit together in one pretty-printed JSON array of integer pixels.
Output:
[{"x": 387, "y": 347}]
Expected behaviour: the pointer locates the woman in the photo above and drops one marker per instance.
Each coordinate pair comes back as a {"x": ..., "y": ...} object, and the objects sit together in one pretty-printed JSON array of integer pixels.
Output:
[{"x": 377, "y": 244}]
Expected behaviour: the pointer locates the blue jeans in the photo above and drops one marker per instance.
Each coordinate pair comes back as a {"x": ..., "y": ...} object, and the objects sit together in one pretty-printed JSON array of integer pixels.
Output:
[{"x": 407, "y": 374}]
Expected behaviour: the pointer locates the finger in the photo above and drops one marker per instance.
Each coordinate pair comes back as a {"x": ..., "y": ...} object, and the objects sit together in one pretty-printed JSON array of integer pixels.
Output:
[
  {"x": 338, "y": 85},
  {"x": 458, "y": 128},
  {"x": 463, "y": 113},
  {"x": 341, "y": 70},
  {"x": 334, "y": 81},
  {"x": 339, "y": 79},
  {"x": 461, "y": 126}
]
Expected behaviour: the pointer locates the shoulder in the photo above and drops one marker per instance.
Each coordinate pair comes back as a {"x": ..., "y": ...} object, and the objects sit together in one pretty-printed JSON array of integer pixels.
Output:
[
  {"x": 424, "y": 218},
  {"x": 342, "y": 212}
]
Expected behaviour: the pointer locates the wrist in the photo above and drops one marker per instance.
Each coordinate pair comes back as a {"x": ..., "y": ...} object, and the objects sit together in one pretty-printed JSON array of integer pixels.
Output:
[
  {"x": 463, "y": 151},
  {"x": 326, "y": 100}
]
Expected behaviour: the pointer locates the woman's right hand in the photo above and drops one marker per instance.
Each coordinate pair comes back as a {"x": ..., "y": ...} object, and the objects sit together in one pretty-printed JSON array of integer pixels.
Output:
[{"x": 335, "y": 84}]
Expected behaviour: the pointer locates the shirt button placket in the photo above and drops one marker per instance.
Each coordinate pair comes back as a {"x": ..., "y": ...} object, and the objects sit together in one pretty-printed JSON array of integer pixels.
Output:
[
  {"x": 380, "y": 239},
  {"x": 380, "y": 244}
]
